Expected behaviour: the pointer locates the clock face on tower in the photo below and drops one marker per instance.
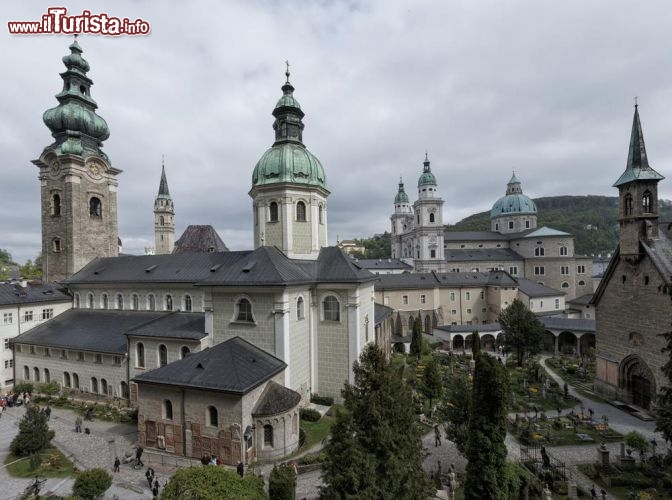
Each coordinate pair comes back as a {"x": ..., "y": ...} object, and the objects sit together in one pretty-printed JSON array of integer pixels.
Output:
[{"x": 95, "y": 169}]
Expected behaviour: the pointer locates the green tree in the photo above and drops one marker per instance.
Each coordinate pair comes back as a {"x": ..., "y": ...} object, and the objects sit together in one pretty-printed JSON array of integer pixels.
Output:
[
  {"x": 664, "y": 402},
  {"x": 475, "y": 343},
  {"x": 212, "y": 483},
  {"x": 376, "y": 448},
  {"x": 32, "y": 270},
  {"x": 637, "y": 441},
  {"x": 34, "y": 434},
  {"x": 486, "y": 451},
  {"x": 282, "y": 483},
  {"x": 432, "y": 383},
  {"x": 6, "y": 263},
  {"x": 457, "y": 410},
  {"x": 416, "y": 339},
  {"x": 523, "y": 332},
  {"x": 91, "y": 484}
]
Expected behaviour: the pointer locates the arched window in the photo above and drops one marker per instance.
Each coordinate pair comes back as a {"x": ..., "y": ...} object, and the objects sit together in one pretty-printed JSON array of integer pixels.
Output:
[
  {"x": 244, "y": 307},
  {"x": 103, "y": 386},
  {"x": 539, "y": 252},
  {"x": 120, "y": 301},
  {"x": 89, "y": 300},
  {"x": 582, "y": 283},
  {"x": 564, "y": 285},
  {"x": 94, "y": 385},
  {"x": 140, "y": 355},
  {"x": 299, "y": 308},
  {"x": 151, "y": 302},
  {"x": 268, "y": 435},
  {"x": 184, "y": 352},
  {"x": 103, "y": 301},
  {"x": 95, "y": 207},
  {"x": 273, "y": 212},
  {"x": 563, "y": 250},
  {"x": 431, "y": 217},
  {"x": 135, "y": 302},
  {"x": 161, "y": 221},
  {"x": 187, "y": 303},
  {"x": 647, "y": 206},
  {"x": 66, "y": 379},
  {"x": 331, "y": 308},
  {"x": 47, "y": 375},
  {"x": 169, "y": 302},
  {"x": 167, "y": 409},
  {"x": 36, "y": 374},
  {"x": 627, "y": 204},
  {"x": 213, "y": 417},
  {"x": 301, "y": 212},
  {"x": 26, "y": 373},
  {"x": 56, "y": 205},
  {"x": 124, "y": 390},
  {"x": 410, "y": 323},
  {"x": 163, "y": 355},
  {"x": 77, "y": 303},
  {"x": 75, "y": 381}
]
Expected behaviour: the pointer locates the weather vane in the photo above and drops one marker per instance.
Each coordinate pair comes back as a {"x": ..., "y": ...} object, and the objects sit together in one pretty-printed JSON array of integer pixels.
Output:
[{"x": 287, "y": 71}]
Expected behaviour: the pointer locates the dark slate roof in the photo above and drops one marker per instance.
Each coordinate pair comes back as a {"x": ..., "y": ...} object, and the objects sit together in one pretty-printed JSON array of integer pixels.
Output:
[
  {"x": 334, "y": 265},
  {"x": 163, "y": 185},
  {"x": 196, "y": 239},
  {"x": 475, "y": 236},
  {"x": 84, "y": 330},
  {"x": 569, "y": 324},
  {"x": 170, "y": 268},
  {"x": 275, "y": 399},
  {"x": 533, "y": 289},
  {"x": 434, "y": 279},
  {"x": 234, "y": 366},
  {"x": 175, "y": 325},
  {"x": 14, "y": 293},
  {"x": 584, "y": 300},
  {"x": 381, "y": 313},
  {"x": 637, "y": 168},
  {"x": 481, "y": 254},
  {"x": 373, "y": 264},
  {"x": 487, "y": 327}
]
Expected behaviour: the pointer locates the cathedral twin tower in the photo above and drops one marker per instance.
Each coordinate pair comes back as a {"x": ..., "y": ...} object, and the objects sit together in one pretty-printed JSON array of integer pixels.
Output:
[{"x": 79, "y": 184}]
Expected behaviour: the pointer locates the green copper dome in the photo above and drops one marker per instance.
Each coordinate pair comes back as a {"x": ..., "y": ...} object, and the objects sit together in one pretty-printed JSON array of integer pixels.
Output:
[
  {"x": 513, "y": 202},
  {"x": 427, "y": 177},
  {"x": 288, "y": 160},
  {"x": 401, "y": 196},
  {"x": 74, "y": 122}
]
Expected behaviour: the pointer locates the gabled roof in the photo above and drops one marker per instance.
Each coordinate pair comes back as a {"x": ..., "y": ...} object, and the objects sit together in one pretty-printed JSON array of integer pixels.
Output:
[
  {"x": 481, "y": 254},
  {"x": 169, "y": 268},
  {"x": 373, "y": 264},
  {"x": 14, "y": 293},
  {"x": 199, "y": 239},
  {"x": 335, "y": 266},
  {"x": 175, "y": 325},
  {"x": 533, "y": 289},
  {"x": 234, "y": 366},
  {"x": 86, "y": 330},
  {"x": 381, "y": 313},
  {"x": 546, "y": 231},
  {"x": 584, "y": 300},
  {"x": 275, "y": 399}
]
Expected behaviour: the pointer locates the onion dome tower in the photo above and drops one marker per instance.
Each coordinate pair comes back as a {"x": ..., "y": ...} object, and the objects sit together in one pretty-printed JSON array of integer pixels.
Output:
[
  {"x": 428, "y": 211},
  {"x": 289, "y": 190},
  {"x": 164, "y": 217},
  {"x": 402, "y": 219},
  {"x": 79, "y": 184},
  {"x": 514, "y": 212}
]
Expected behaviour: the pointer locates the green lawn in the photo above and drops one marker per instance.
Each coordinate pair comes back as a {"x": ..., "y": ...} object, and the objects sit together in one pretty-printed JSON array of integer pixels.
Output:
[
  {"x": 53, "y": 464},
  {"x": 316, "y": 431}
]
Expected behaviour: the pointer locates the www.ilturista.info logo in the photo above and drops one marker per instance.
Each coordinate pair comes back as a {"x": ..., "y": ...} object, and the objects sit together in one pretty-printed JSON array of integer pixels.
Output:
[{"x": 56, "y": 21}]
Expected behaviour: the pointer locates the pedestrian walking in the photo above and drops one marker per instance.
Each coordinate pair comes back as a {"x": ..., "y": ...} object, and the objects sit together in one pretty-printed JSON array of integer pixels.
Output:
[
  {"x": 155, "y": 491},
  {"x": 138, "y": 456},
  {"x": 593, "y": 492},
  {"x": 78, "y": 424},
  {"x": 240, "y": 469},
  {"x": 117, "y": 463},
  {"x": 150, "y": 476},
  {"x": 47, "y": 412},
  {"x": 437, "y": 435}
]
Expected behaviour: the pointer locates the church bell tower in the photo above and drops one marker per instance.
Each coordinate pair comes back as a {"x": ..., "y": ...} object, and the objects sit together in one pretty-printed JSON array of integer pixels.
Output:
[{"x": 78, "y": 181}]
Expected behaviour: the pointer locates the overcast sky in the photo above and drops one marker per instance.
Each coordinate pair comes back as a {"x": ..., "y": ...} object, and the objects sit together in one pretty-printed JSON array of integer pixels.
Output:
[{"x": 542, "y": 87}]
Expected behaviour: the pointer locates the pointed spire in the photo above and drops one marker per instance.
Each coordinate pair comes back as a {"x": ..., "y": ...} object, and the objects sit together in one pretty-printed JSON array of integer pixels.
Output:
[
  {"x": 637, "y": 167},
  {"x": 426, "y": 163},
  {"x": 163, "y": 185}
]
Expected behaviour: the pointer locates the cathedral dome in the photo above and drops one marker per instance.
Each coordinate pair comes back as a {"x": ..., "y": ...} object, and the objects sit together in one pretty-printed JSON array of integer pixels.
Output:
[
  {"x": 401, "y": 196},
  {"x": 289, "y": 162},
  {"x": 513, "y": 202},
  {"x": 427, "y": 177},
  {"x": 72, "y": 116}
]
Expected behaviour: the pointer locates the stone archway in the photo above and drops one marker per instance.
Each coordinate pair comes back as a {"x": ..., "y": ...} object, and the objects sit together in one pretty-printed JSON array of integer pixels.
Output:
[
  {"x": 458, "y": 342},
  {"x": 549, "y": 342},
  {"x": 637, "y": 382},
  {"x": 567, "y": 343},
  {"x": 488, "y": 342},
  {"x": 587, "y": 342}
]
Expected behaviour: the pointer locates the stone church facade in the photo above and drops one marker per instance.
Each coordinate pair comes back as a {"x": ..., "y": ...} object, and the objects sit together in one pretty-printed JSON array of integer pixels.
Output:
[{"x": 632, "y": 302}]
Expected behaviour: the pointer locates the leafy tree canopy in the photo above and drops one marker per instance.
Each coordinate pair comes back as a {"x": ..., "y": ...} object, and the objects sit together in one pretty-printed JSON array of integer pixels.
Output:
[
  {"x": 523, "y": 332},
  {"x": 212, "y": 483},
  {"x": 34, "y": 434},
  {"x": 91, "y": 484}
]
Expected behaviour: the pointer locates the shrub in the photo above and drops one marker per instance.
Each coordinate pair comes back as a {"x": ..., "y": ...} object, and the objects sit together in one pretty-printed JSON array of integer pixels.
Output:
[
  {"x": 34, "y": 434},
  {"x": 321, "y": 400},
  {"x": 49, "y": 388},
  {"x": 636, "y": 441},
  {"x": 282, "y": 483},
  {"x": 23, "y": 387},
  {"x": 310, "y": 415},
  {"x": 91, "y": 484}
]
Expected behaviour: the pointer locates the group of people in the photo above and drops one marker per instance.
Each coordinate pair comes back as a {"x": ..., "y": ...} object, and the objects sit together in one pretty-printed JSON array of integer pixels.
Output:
[
  {"x": 152, "y": 481},
  {"x": 209, "y": 459},
  {"x": 15, "y": 399}
]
